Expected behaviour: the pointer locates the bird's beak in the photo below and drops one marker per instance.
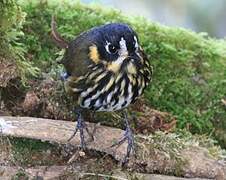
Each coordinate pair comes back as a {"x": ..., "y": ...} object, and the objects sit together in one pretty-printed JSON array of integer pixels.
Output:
[{"x": 134, "y": 56}]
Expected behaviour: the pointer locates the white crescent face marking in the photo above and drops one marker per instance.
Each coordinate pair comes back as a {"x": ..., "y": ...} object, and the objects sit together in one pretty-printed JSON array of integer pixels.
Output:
[
  {"x": 123, "y": 49},
  {"x": 136, "y": 42},
  {"x": 107, "y": 47},
  {"x": 123, "y": 53}
]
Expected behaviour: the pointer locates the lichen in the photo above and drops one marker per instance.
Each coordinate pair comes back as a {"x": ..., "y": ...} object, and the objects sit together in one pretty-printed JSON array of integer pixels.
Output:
[{"x": 172, "y": 146}]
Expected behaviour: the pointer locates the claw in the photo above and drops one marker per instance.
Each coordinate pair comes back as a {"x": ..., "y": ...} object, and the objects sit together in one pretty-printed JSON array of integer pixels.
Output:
[{"x": 79, "y": 127}]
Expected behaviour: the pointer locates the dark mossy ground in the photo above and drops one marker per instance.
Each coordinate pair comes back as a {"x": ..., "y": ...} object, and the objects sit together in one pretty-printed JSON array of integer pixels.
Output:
[{"x": 26, "y": 153}]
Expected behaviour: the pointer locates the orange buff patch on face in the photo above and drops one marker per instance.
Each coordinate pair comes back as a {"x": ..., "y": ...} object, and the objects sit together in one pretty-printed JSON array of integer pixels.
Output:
[{"x": 93, "y": 54}]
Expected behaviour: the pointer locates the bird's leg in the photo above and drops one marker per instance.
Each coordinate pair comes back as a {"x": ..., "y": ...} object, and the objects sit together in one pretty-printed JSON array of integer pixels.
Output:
[
  {"x": 80, "y": 127},
  {"x": 128, "y": 135}
]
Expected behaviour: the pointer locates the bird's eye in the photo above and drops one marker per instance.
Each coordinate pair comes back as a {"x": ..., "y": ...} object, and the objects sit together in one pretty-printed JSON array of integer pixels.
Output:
[{"x": 111, "y": 49}]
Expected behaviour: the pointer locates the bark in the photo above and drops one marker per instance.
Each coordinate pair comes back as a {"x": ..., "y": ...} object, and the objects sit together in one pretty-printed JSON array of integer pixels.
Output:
[{"x": 194, "y": 162}]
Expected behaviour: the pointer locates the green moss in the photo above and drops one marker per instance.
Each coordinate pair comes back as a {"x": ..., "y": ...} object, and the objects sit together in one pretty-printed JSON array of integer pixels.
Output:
[
  {"x": 11, "y": 21},
  {"x": 169, "y": 145},
  {"x": 189, "y": 68},
  {"x": 27, "y": 152},
  {"x": 172, "y": 145},
  {"x": 21, "y": 174}
]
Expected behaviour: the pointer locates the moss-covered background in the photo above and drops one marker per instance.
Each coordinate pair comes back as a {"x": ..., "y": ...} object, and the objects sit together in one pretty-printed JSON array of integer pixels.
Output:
[{"x": 189, "y": 68}]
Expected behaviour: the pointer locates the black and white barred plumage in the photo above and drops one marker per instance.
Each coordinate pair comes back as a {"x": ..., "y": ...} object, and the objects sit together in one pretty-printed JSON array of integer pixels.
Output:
[{"x": 108, "y": 84}]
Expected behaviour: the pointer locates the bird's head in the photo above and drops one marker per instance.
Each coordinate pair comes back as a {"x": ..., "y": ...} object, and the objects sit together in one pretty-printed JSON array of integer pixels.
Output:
[{"x": 112, "y": 44}]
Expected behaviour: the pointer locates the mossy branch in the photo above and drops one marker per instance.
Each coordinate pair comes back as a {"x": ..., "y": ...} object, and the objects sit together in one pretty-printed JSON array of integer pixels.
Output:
[{"x": 161, "y": 153}]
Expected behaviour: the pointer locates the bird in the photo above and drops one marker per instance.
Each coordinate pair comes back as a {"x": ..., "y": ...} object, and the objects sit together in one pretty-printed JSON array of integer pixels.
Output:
[{"x": 106, "y": 69}]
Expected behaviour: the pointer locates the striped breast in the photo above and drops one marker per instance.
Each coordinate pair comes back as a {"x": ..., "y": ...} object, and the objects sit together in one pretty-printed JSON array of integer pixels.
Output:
[{"x": 109, "y": 90}]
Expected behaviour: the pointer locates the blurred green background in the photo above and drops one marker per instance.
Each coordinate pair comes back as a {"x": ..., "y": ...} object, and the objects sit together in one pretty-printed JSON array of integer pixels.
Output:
[{"x": 200, "y": 16}]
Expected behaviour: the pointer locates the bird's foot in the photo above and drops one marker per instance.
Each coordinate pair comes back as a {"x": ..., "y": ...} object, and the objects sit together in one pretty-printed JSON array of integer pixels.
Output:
[
  {"x": 128, "y": 136},
  {"x": 80, "y": 127}
]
